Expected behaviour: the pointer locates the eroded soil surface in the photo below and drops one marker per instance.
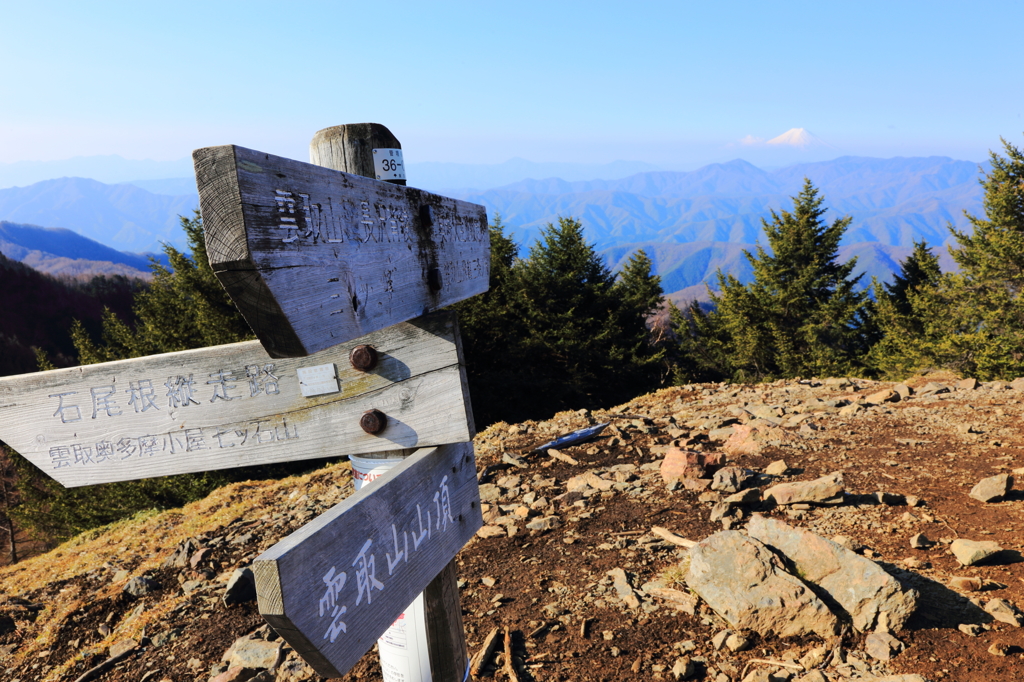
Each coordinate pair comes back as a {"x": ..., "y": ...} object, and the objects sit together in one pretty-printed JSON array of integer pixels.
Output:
[{"x": 551, "y": 587}]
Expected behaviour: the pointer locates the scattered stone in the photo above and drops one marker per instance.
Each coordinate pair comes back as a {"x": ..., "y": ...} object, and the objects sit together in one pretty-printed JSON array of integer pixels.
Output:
[
  {"x": 746, "y": 584},
  {"x": 890, "y": 499},
  {"x": 903, "y": 391},
  {"x": 545, "y": 523},
  {"x": 870, "y": 596},
  {"x": 748, "y": 496},
  {"x": 813, "y": 676},
  {"x": 140, "y": 586},
  {"x": 683, "y": 669},
  {"x": 491, "y": 532},
  {"x": 696, "y": 483},
  {"x": 777, "y": 468},
  {"x": 241, "y": 587},
  {"x": 826, "y": 488},
  {"x": 993, "y": 488},
  {"x": 678, "y": 599},
  {"x": 971, "y": 629},
  {"x": 970, "y": 552},
  {"x": 967, "y": 384},
  {"x": 999, "y": 649},
  {"x": 235, "y": 674},
  {"x": 814, "y": 658},
  {"x": 731, "y": 479},
  {"x": 621, "y": 583},
  {"x": 256, "y": 654},
  {"x": 587, "y": 480},
  {"x": 973, "y": 584},
  {"x": 1004, "y": 612},
  {"x": 743, "y": 441},
  {"x": 718, "y": 641},
  {"x": 919, "y": 541},
  {"x": 882, "y": 646},
  {"x": 737, "y": 641},
  {"x": 886, "y": 395}
]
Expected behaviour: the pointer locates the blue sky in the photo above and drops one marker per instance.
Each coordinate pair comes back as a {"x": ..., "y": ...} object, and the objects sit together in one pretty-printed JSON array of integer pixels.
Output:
[{"x": 669, "y": 83}]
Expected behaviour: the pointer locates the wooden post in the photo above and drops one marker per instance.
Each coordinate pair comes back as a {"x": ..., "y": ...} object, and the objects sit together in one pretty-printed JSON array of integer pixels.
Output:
[{"x": 349, "y": 148}]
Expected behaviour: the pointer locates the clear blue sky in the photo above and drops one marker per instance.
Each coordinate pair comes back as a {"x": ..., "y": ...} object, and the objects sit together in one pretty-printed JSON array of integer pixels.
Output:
[{"x": 669, "y": 83}]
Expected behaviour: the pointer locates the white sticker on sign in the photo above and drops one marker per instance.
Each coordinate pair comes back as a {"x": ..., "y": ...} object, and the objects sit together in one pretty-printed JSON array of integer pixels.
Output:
[
  {"x": 318, "y": 380},
  {"x": 388, "y": 165}
]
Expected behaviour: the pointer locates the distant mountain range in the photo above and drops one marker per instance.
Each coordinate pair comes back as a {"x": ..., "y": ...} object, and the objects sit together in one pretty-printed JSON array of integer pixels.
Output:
[
  {"x": 690, "y": 223},
  {"x": 59, "y": 251},
  {"x": 124, "y": 217}
]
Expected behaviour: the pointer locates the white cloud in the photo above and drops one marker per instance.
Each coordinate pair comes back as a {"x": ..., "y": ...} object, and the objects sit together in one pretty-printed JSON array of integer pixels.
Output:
[{"x": 750, "y": 141}]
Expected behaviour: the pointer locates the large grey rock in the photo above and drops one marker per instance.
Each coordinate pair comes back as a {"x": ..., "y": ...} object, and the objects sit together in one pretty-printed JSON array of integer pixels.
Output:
[
  {"x": 746, "y": 584},
  {"x": 870, "y": 596},
  {"x": 993, "y": 488},
  {"x": 822, "y": 489},
  {"x": 970, "y": 552}
]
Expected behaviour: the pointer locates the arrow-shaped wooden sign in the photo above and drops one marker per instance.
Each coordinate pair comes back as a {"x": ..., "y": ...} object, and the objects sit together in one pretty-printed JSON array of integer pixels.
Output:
[
  {"x": 313, "y": 257},
  {"x": 332, "y": 587},
  {"x": 231, "y": 406}
]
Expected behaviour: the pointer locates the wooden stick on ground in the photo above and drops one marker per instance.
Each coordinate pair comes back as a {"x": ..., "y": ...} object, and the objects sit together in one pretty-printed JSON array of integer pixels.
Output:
[
  {"x": 510, "y": 666},
  {"x": 668, "y": 536},
  {"x": 485, "y": 653}
]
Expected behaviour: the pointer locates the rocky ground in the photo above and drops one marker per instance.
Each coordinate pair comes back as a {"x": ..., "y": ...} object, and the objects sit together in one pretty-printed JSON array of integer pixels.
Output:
[{"x": 802, "y": 530}]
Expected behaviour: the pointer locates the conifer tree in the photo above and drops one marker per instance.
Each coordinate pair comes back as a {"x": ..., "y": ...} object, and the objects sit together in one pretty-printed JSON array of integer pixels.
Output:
[
  {"x": 903, "y": 314},
  {"x": 184, "y": 307},
  {"x": 982, "y": 307},
  {"x": 801, "y": 314},
  {"x": 558, "y": 330}
]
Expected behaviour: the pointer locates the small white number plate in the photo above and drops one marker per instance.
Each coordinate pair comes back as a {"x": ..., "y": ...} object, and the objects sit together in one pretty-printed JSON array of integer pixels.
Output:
[
  {"x": 317, "y": 380},
  {"x": 388, "y": 164}
]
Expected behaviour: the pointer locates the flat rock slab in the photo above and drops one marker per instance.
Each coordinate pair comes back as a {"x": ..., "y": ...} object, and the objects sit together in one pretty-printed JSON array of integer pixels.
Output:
[
  {"x": 746, "y": 584},
  {"x": 859, "y": 586},
  {"x": 822, "y": 489},
  {"x": 970, "y": 552},
  {"x": 993, "y": 488}
]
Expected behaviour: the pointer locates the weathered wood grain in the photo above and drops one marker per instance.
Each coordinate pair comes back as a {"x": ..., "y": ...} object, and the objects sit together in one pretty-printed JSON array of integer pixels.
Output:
[
  {"x": 349, "y": 148},
  {"x": 363, "y": 562},
  {"x": 313, "y": 257},
  {"x": 230, "y": 406}
]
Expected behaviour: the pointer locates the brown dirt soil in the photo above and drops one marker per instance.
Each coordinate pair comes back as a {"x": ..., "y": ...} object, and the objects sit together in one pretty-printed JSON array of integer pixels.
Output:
[{"x": 551, "y": 588}]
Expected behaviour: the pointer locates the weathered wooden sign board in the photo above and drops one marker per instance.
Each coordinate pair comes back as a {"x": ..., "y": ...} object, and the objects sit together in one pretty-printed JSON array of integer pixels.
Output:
[
  {"x": 332, "y": 587},
  {"x": 231, "y": 406},
  {"x": 314, "y": 257}
]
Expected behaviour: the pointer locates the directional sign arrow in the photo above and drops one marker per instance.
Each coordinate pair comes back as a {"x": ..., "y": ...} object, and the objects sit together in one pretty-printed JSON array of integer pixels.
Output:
[
  {"x": 314, "y": 257},
  {"x": 231, "y": 406},
  {"x": 332, "y": 587}
]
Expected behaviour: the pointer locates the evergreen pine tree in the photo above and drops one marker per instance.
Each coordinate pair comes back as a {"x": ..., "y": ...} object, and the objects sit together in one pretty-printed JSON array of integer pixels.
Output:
[
  {"x": 903, "y": 314},
  {"x": 801, "y": 314},
  {"x": 982, "y": 306}
]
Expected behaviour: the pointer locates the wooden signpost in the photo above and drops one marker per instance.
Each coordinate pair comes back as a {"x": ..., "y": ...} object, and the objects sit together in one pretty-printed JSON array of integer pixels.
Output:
[
  {"x": 231, "y": 406},
  {"x": 314, "y": 257},
  {"x": 331, "y": 588},
  {"x": 329, "y": 269}
]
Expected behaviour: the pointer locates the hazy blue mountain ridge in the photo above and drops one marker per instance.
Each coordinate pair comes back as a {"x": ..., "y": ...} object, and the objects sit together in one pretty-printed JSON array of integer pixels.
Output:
[
  {"x": 124, "y": 217},
  {"x": 726, "y": 202},
  {"x": 691, "y": 223}
]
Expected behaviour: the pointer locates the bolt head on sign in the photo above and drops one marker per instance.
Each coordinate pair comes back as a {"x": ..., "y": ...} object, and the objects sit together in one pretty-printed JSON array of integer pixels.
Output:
[{"x": 314, "y": 257}]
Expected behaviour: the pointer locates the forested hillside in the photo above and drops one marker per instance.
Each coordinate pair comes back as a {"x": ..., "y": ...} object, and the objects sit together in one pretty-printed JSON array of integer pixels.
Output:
[{"x": 38, "y": 311}]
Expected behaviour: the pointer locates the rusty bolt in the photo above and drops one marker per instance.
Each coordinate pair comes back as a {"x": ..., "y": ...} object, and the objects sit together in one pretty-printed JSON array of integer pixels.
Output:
[
  {"x": 363, "y": 358},
  {"x": 373, "y": 422}
]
